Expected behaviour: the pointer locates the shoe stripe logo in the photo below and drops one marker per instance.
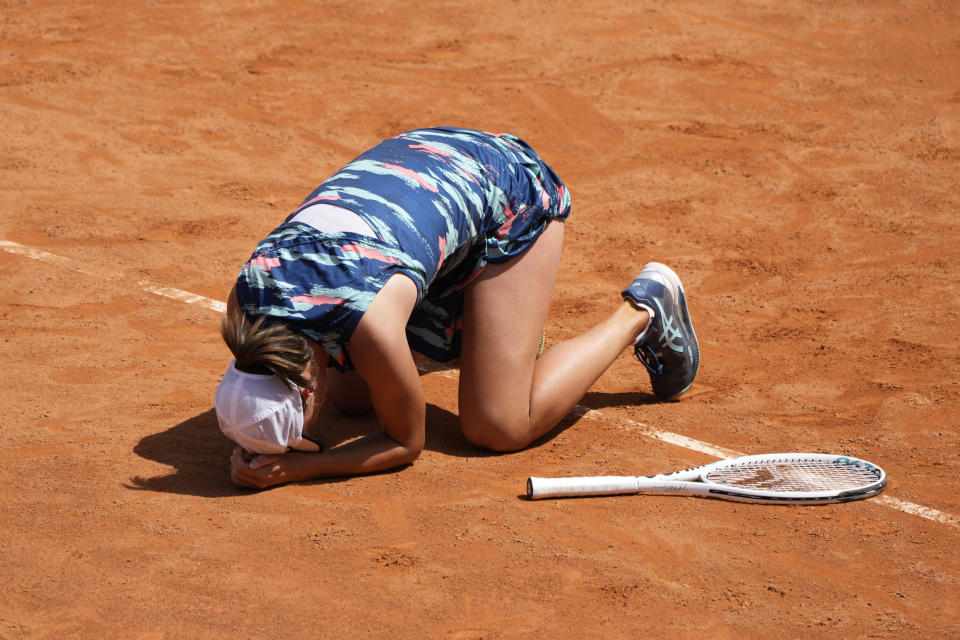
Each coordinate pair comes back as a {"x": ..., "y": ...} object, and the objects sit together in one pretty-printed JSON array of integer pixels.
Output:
[{"x": 670, "y": 332}]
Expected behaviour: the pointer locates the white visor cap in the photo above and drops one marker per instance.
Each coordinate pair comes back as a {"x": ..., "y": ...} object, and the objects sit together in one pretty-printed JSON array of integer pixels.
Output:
[{"x": 260, "y": 413}]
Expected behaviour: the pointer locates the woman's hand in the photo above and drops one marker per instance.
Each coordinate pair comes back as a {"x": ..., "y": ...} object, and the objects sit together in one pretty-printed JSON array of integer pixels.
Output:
[{"x": 262, "y": 471}]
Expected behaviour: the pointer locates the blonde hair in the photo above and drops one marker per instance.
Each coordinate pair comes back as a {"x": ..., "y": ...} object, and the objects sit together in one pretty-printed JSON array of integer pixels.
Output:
[{"x": 270, "y": 349}]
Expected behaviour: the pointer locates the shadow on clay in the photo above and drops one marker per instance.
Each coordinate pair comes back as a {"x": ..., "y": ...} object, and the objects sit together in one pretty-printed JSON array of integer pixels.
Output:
[
  {"x": 597, "y": 400},
  {"x": 199, "y": 453}
]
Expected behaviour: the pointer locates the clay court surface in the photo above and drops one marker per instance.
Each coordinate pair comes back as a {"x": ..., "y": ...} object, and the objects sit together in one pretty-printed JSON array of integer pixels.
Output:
[{"x": 796, "y": 162}]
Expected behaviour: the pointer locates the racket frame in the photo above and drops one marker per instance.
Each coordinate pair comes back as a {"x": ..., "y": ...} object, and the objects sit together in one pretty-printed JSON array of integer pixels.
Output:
[{"x": 694, "y": 481}]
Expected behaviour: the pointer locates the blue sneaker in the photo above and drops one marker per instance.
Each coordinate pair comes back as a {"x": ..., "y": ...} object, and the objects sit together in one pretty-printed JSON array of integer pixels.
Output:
[{"x": 668, "y": 348}]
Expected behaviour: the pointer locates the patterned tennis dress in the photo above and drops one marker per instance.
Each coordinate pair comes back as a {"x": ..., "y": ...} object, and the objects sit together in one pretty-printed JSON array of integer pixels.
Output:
[{"x": 441, "y": 202}]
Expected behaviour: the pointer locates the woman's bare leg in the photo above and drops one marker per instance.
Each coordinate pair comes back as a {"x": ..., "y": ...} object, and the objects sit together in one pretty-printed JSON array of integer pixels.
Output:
[{"x": 509, "y": 397}]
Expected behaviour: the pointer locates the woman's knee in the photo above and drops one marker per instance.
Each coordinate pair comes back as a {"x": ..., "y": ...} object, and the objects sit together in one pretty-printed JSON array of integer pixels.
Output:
[{"x": 496, "y": 435}]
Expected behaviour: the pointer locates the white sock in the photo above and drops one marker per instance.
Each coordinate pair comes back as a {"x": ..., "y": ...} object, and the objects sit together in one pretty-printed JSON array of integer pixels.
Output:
[{"x": 653, "y": 314}]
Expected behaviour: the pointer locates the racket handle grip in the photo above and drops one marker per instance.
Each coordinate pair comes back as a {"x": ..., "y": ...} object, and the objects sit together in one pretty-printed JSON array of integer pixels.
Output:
[{"x": 585, "y": 486}]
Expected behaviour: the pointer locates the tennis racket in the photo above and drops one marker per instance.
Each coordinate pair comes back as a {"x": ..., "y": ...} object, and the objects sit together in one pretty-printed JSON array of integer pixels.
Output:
[{"x": 774, "y": 478}]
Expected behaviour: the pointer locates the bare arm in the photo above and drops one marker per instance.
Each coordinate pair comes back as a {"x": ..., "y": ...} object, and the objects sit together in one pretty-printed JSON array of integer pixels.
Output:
[{"x": 380, "y": 353}]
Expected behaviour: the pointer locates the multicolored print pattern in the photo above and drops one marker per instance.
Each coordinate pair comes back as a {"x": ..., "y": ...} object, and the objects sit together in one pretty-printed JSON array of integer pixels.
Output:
[{"x": 442, "y": 202}]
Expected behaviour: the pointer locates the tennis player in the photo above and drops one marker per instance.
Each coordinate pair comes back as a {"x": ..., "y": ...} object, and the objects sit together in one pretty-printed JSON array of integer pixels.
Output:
[{"x": 441, "y": 242}]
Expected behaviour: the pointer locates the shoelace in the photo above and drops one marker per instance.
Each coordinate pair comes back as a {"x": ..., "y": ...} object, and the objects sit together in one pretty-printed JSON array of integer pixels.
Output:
[{"x": 648, "y": 358}]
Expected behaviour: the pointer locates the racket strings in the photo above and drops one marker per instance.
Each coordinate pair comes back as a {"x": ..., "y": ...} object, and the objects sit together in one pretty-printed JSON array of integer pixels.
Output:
[{"x": 796, "y": 475}]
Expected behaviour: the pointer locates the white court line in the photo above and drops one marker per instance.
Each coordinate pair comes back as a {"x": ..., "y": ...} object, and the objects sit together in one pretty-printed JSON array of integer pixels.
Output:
[
  {"x": 60, "y": 261},
  {"x": 666, "y": 436},
  {"x": 43, "y": 256},
  {"x": 580, "y": 410},
  {"x": 186, "y": 296},
  {"x": 918, "y": 510}
]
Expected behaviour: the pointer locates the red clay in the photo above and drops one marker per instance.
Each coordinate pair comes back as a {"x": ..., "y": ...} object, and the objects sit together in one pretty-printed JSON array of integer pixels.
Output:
[{"x": 797, "y": 163}]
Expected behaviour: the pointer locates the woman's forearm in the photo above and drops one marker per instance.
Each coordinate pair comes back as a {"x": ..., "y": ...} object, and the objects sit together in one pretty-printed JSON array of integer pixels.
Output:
[{"x": 375, "y": 452}]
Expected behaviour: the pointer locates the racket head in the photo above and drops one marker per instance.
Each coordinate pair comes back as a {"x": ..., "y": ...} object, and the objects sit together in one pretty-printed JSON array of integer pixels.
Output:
[{"x": 807, "y": 478}]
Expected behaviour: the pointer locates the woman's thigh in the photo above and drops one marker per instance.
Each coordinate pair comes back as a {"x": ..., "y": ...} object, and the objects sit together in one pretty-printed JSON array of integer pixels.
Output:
[{"x": 505, "y": 310}]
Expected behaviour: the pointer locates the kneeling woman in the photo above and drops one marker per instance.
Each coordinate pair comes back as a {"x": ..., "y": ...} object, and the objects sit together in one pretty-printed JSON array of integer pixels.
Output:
[{"x": 444, "y": 242}]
